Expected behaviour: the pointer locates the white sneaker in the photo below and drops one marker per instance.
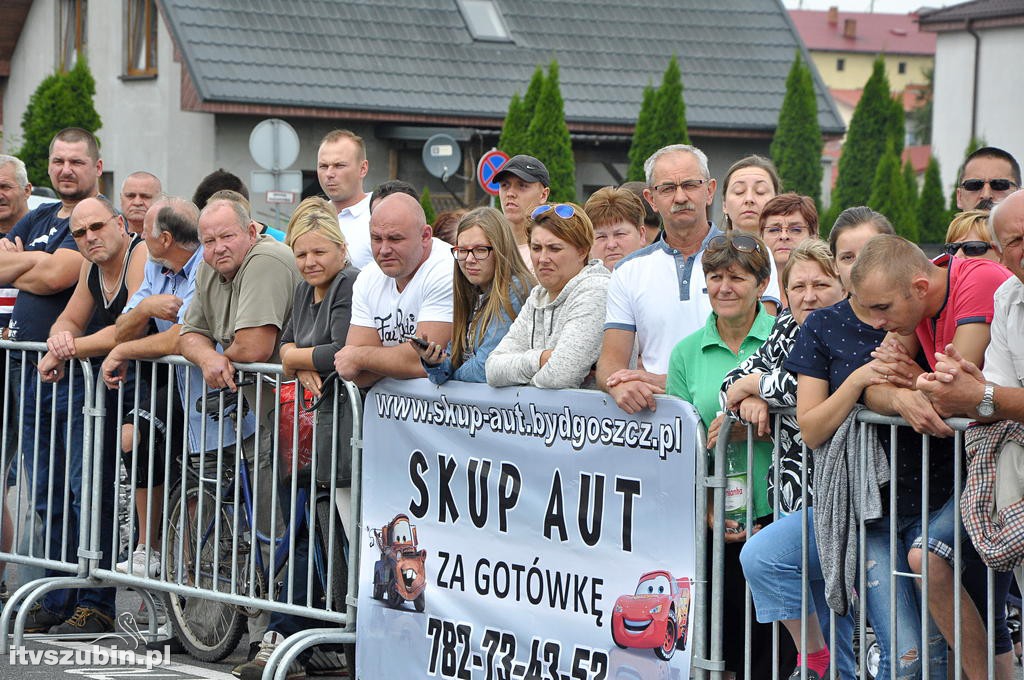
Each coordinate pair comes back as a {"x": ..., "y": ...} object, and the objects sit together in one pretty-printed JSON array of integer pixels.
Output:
[{"x": 136, "y": 563}]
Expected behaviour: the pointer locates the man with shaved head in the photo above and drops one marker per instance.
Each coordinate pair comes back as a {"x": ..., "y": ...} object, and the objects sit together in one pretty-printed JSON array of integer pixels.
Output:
[
  {"x": 407, "y": 289},
  {"x": 138, "y": 192}
]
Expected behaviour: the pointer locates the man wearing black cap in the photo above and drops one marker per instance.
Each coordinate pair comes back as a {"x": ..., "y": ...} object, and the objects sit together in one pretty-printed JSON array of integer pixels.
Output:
[{"x": 523, "y": 185}]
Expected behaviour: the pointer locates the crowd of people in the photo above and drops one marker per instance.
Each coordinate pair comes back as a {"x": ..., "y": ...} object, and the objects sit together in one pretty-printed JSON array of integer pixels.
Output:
[{"x": 637, "y": 292}]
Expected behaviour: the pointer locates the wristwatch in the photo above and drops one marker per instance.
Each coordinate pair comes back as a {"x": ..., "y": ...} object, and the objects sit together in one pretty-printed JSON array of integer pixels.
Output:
[{"x": 987, "y": 407}]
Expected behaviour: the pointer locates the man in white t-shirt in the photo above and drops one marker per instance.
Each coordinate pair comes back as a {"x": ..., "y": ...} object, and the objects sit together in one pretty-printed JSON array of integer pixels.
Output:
[
  {"x": 680, "y": 188},
  {"x": 406, "y": 290},
  {"x": 341, "y": 166}
]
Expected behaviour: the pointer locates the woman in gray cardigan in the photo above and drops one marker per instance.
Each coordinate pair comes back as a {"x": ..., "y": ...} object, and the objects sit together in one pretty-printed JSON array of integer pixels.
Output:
[{"x": 556, "y": 338}]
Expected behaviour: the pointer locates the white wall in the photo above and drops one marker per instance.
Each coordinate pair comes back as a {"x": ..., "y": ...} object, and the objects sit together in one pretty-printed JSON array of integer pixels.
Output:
[
  {"x": 143, "y": 125},
  {"x": 1001, "y": 80}
]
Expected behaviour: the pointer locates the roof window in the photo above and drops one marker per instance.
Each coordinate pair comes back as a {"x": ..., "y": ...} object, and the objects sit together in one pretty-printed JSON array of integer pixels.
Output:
[{"x": 484, "y": 20}]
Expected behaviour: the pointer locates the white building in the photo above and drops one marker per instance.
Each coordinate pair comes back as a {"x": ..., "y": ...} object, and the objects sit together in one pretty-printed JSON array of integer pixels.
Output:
[{"x": 979, "y": 78}]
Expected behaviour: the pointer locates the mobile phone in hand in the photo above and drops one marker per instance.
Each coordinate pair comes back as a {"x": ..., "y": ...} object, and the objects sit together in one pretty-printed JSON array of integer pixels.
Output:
[{"x": 419, "y": 342}]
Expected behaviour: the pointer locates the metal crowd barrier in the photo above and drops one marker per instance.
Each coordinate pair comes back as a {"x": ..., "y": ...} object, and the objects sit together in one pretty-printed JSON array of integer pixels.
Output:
[
  {"x": 216, "y": 541},
  {"x": 50, "y": 457},
  {"x": 708, "y": 648}
]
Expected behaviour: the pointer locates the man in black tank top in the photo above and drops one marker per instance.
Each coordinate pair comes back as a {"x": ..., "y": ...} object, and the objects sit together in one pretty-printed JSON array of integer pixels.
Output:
[{"x": 113, "y": 270}]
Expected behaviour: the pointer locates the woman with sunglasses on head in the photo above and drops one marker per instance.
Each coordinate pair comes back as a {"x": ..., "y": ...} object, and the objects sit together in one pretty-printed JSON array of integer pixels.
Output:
[
  {"x": 736, "y": 268},
  {"x": 491, "y": 283},
  {"x": 556, "y": 338},
  {"x": 969, "y": 235}
]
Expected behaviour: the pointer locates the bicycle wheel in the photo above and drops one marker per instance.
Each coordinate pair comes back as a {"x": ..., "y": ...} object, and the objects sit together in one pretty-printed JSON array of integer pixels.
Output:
[{"x": 209, "y": 630}]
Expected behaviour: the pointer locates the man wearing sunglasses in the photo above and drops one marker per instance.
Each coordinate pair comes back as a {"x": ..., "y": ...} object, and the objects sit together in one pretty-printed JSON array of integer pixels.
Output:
[
  {"x": 641, "y": 308},
  {"x": 987, "y": 177}
]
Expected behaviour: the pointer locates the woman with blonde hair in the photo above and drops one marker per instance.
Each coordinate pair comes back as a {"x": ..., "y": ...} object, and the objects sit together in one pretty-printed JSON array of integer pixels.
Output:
[
  {"x": 490, "y": 285},
  {"x": 556, "y": 339},
  {"x": 969, "y": 235}
]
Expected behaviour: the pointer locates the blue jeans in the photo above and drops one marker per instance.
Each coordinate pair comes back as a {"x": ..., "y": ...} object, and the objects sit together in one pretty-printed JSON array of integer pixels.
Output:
[
  {"x": 772, "y": 566},
  {"x": 65, "y": 464},
  {"x": 907, "y": 597}
]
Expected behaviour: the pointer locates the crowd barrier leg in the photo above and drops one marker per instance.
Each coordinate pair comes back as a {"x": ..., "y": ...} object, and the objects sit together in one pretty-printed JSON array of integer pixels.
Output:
[{"x": 65, "y": 405}]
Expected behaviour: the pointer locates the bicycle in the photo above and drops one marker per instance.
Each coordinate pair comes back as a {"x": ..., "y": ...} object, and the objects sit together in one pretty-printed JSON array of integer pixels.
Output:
[{"x": 210, "y": 541}]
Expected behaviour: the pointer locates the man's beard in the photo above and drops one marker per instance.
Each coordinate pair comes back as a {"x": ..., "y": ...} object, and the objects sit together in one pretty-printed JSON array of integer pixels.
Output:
[{"x": 76, "y": 196}]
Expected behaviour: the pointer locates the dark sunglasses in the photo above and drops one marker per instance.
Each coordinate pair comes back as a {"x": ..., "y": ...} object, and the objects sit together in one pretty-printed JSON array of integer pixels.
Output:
[
  {"x": 741, "y": 243},
  {"x": 563, "y": 210},
  {"x": 95, "y": 226},
  {"x": 979, "y": 184},
  {"x": 970, "y": 248}
]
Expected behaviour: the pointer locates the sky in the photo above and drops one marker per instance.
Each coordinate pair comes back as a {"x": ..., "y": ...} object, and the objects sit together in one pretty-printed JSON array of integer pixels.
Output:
[{"x": 886, "y": 6}]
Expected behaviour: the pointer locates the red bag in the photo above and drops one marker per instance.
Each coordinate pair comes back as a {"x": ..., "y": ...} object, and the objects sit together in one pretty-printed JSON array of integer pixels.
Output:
[{"x": 286, "y": 428}]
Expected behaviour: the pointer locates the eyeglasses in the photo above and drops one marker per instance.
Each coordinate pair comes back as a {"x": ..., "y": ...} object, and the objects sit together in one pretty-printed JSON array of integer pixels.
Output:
[
  {"x": 95, "y": 226},
  {"x": 479, "y": 252},
  {"x": 740, "y": 242},
  {"x": 669, "y": 188},
  {"x": 970, "y": 248},
  {"x": 792, "y": 231},
  {"x": 563, "y": 210},
  {"x": 979, "y": 184}
]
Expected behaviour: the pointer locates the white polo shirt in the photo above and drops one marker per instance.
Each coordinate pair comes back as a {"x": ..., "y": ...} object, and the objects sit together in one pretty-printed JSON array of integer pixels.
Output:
[
  {"x": 661, "y": 295},
  {"x": 355, "y": 225},
  {"x": 377, "y": 303},
  {"x": 1004, "y": 357}
]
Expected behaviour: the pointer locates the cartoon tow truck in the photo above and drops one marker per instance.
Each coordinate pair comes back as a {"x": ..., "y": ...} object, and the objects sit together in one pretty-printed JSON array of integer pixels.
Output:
[
  {"x": 399, "y": 575},
  {"x": 656, "y": 617}
]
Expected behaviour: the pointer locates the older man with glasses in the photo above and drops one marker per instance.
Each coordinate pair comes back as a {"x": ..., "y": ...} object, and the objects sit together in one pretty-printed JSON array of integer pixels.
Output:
[{"x": 680, "y": 188}]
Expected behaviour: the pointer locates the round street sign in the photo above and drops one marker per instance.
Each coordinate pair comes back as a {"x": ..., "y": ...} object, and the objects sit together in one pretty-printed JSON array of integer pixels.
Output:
[
  {"x": 274, "y": 144},
  {"x": 489, "y": 164}
]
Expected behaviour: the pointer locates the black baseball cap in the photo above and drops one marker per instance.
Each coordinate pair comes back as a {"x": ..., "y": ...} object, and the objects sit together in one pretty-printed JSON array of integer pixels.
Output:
[{"x": 526, "y": 168}]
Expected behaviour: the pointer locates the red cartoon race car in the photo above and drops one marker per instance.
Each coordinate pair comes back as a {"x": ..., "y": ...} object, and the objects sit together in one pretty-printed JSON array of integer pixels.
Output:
[
  {"x": 656, "y": 617},
  {"x": 399, "y": 575}
]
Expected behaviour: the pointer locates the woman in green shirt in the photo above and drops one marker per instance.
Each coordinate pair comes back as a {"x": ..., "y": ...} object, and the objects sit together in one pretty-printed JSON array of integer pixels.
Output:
[{"x": 736, "y": 269}]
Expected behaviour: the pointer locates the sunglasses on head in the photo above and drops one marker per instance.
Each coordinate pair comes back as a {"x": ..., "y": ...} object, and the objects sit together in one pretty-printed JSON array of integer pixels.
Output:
[
  {"x": 563, "y": 210},
  {"x": 979, "y": 184},
  {"x": 970, "y": 248},
  {"x": 741, "y": 243}
]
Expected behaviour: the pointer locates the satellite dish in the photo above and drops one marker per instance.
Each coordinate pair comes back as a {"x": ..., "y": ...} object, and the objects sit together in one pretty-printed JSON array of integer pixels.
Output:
[
  {"x": 442, "y": 156},
  {"x": 274, "y": 144}
]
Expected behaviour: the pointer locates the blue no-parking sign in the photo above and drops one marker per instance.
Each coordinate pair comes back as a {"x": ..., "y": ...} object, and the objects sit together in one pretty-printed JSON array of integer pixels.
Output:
[{"x": 489, "y": 164}]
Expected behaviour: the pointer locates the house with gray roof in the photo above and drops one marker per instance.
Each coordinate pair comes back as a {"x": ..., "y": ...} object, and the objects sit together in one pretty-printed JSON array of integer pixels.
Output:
[{"x": 181, "y": 83}]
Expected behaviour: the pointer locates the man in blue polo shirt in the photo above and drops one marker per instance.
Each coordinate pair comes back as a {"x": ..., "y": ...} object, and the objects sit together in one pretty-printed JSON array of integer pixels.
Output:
[
  {"x": 680, "y": 188},
  {"x": 40, "y": 257}
]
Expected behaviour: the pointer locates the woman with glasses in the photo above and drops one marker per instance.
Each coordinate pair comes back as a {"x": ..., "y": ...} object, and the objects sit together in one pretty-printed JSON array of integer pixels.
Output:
[
  {"x": 556, "y": 338},
  {"x": 749, "y": 184},
  {"x": 736, "y": 268},
  {"x": 970, "y": 236},
  {"x": 490, "y": 285},
  {"x": 787, "y": 221}
]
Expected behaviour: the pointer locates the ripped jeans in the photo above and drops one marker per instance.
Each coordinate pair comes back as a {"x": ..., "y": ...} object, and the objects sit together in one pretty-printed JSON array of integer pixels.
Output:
[{"x": 907, "y": 595}]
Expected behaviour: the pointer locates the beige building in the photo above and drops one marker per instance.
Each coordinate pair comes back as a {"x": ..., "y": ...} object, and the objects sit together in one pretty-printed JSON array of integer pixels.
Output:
[{"x": 843, "y": 46}]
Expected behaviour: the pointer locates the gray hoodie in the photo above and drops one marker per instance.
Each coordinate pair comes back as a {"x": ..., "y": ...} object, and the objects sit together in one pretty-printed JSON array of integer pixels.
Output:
[{"x": 571, "y": 325}]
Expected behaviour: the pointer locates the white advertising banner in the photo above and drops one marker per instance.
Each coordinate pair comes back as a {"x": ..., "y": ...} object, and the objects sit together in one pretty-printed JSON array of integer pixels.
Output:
[{"x": 524, "y": 534}]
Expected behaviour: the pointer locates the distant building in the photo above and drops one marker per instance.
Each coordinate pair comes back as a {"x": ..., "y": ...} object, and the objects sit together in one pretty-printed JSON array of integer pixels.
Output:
[
  {"x": 978, "y": 79},
  {"x": 180, "y": 84},
  {"x": 844, "y": 46}
]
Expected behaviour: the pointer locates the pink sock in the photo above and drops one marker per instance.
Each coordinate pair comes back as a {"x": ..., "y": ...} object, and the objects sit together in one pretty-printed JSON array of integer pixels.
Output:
[{"x": 817, "y": 662}]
